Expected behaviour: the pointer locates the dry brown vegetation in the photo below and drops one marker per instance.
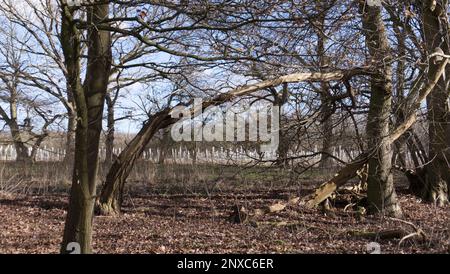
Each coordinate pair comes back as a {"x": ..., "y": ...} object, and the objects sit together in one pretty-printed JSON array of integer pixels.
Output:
[{"x": 176, "y": 213}]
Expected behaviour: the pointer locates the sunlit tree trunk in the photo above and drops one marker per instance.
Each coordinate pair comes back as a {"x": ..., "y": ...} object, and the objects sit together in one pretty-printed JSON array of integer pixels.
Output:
[
  {"x": 436, "y": 33},
  {"x": 381, "y": 192},
  {"x": 111, "y": 195},
  {"x": 110, "y": 134},
  {"x": 70, "y": 135},
  {"x": 326, "y": 108},
  {"x": 90, "y": 99}
]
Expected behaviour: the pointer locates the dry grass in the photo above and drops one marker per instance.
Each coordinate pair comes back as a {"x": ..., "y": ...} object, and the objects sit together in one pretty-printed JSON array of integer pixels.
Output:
[
  {"x": 51, "y": 177},
  {"x": 185, "y": 209}
]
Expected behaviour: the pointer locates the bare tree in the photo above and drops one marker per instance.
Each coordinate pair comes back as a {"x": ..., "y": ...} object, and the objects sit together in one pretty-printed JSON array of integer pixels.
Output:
[
  {"x": 90, "y": 99},
  {"x": 20, "y": 100},
  {"x": 436, "y": 33},
  {"x": 381, "y": 192},
  {"x": 49, "y": 74}
]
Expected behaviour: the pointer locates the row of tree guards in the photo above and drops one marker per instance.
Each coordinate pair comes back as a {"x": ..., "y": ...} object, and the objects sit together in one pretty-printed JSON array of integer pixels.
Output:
[{"x": 211, "y": 155}]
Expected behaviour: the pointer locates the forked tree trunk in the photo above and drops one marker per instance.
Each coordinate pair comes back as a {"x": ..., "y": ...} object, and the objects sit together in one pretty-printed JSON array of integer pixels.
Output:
[
  {"x": 21, "y": 149},
  {"x": 90, "y": 100},
  {"x": 22, "y": 154},
  {"x": 381, "y": 192}
]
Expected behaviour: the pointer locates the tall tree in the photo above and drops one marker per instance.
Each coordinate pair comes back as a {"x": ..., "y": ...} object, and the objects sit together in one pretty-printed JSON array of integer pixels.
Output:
[
  {"x": 381, "y": 192},
  {"x": 90, "y": 100},
  {"x": 436, "y": 33},
  {"x": 21, "y": 107},
  {"x": 47, "y": 71},
  {"x": 326, "y": 107}
]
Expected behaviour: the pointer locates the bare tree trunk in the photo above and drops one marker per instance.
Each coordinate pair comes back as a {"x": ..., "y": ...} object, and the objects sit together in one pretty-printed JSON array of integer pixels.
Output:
[
  {"x": 283, "y": 147},
  {"x": 110, "y": 135},
  {"x": 399, "y": 111},
  {"x": 111, "y": 196},
  {"x": 70, "y": 137},
  {"x": 21, "y": 148},
  {"x": 326, "y": 109},
  {"x": 11, "y": 120},
  {"x": 436, "y": 33},
  {"x": 327, "y": 130},
  {"x": 381, "y": 192},
  {"x": 90, "y": 100}
]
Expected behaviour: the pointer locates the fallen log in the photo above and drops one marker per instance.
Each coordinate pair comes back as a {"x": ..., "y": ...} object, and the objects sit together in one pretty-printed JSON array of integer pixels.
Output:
[
  {"x": 403, "y": 235},
  {"x": 380, "y": 235},
  {"x": 325, "y": 190}
]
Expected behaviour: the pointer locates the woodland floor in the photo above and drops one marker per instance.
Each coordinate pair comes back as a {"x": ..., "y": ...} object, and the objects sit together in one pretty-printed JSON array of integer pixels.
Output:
[{"x": 168, "y": 220}]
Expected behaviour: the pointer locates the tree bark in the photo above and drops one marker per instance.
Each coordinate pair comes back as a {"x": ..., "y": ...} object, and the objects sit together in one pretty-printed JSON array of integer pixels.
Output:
[
  {"x": 70, "y": 136},
  {"x": 381, "y": 192},
  {"x": 436, "y": 31},
  {"x": 19, "y": 145},
  {"x": 326, "y": 108},
  {"x": 401, "y": 144},
  {"x": 111, "y": 195},
  {"x": 90, "y": 100},
  {"x": 110, "y": 135}
]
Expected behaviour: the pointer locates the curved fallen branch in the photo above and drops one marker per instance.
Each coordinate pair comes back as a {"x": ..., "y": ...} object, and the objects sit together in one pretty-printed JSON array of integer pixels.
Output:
[{"x": 109, "y": 201}]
